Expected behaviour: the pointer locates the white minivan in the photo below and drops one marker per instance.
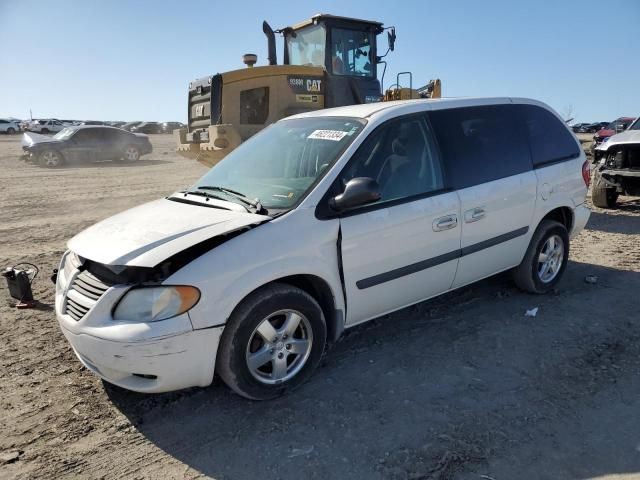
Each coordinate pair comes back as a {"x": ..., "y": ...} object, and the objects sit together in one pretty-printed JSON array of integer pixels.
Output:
[{"x": 320, "y": 222}]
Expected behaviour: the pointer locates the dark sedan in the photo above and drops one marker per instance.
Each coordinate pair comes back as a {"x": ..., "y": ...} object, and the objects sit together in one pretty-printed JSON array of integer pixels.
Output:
[
  {"x": 147, "y": 127},
  {"x": 82, "y": 144},
  {"x": 169, "y": 127}
]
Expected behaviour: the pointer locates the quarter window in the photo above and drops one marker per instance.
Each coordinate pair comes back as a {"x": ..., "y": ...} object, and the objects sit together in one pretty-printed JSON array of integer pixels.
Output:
[
  {"x": 401, "y": 157},
  {"x": 481, "y": 144},
  {"x": 254, "y": 106},
  {"x": 549, "y": 139}
]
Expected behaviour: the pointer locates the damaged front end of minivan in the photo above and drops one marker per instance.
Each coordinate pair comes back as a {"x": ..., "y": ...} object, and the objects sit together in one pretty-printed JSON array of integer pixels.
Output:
[
  {"x": 117, "y": 307},
  {"x": 617, "y": 169}
]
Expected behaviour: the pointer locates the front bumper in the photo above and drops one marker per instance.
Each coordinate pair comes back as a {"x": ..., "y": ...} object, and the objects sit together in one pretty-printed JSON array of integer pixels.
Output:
[
  {"x": 143, "y": 357},
  {"x": 153, "y": 366}
]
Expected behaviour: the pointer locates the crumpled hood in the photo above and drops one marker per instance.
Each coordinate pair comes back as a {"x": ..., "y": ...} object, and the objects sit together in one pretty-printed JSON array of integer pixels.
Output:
[
  {"x": 628, "y": 136},
  {"x": 29, "y": 139},
  {"x": 146, "y": 235}
]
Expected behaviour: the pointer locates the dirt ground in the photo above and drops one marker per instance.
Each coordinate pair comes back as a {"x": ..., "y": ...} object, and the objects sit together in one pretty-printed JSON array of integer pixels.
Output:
[{"x": 462, "y": 387}]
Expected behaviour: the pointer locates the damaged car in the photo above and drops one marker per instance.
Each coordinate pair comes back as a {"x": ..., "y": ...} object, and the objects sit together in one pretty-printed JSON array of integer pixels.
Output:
[
  {"x": 322, "y": 221},
  {"x": 617, "y": 167},
  {"x": 84, "y": 143}
]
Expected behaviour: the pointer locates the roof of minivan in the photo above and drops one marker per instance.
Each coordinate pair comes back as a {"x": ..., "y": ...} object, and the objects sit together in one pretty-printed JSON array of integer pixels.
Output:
[{"x": 400, "y": 106}]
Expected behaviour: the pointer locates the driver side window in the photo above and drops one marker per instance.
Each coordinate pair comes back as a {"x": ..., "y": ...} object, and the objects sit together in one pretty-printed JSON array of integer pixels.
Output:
[{"x": 400, "y": 156}]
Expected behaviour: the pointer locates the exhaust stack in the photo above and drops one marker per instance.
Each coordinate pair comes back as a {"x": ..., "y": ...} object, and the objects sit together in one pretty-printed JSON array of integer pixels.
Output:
[{"x": 271, "y": 43}]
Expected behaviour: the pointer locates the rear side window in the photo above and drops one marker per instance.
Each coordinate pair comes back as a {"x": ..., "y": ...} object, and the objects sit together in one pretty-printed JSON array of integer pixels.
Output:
[
  {"x": 550, "y": 140},
  {"x": 481, "y": 144}
]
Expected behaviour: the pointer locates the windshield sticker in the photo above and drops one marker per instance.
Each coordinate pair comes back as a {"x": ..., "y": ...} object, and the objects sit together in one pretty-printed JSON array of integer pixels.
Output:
[
  {"x": 352, "y": 131},
  {"x": 334, "y": 135},
  {"x": 279, "y": 195}
]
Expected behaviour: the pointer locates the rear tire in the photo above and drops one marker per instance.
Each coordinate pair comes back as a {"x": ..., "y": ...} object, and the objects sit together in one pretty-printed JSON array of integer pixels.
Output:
[
  {"x": 11, "y": 131},
  {"x": 272, "y": 343},
  {"x": 545, "y": 260},
  {"x": 601, "y": 195}
]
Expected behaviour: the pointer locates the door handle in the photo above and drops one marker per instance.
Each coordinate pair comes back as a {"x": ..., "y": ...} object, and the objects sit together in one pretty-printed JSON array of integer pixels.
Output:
[
  {"x": 474, "y": 214},
  {"x": 445, "y": 223}
]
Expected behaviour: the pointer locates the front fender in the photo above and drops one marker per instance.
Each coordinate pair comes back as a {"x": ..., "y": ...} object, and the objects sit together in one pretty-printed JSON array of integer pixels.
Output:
[{"x": 296, "y": 244}]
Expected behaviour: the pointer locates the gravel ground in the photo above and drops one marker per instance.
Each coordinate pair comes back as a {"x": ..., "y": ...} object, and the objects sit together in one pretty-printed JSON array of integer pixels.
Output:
[{"x": 461, "y": 387}]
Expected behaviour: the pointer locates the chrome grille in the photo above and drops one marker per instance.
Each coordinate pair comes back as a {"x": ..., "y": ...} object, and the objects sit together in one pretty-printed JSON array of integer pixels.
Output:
[{"x": 84, "y": 292}]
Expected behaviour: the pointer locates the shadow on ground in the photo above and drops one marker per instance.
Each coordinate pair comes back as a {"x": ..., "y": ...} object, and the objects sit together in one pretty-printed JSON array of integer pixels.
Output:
[
  {"x": 107, "y": 164},
  {"x": 609, "y": 220},
  {"x": 460, "y": 385}
]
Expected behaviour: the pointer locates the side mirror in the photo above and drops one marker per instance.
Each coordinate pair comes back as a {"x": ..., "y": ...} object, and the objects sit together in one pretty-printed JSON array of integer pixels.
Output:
[
  {"x": 391, "y": 38},
  {"x": 620, "y": 128},
  {"x": 358, "y": 191}
]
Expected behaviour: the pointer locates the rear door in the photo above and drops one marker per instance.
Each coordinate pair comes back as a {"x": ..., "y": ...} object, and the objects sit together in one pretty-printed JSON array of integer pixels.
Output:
[
  {"x": 402, "y": 249},
  {"x": 487, "y": 154},
  {"x": 112, "y": 144}
]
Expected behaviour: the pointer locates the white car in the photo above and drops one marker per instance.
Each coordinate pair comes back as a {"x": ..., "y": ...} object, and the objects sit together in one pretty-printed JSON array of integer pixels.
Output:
[
  {"x": 617, "y": 167},
  {"x": 45, "y": 126},
  {"x": 320, "y": 222},
  {"x": 9, "y": 126}
]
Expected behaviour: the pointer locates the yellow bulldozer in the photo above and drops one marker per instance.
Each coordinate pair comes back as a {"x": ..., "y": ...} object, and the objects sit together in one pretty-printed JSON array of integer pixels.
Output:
[{"x": 329, "y": 61}]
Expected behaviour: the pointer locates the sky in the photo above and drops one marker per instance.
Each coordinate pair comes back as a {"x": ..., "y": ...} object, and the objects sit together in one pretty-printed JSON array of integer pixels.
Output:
[{"x": 133, "y": 60}]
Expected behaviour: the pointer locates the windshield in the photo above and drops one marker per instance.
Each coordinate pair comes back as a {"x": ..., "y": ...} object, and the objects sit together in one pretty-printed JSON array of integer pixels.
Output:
[
  {"x": 64, "y": 134},
  {"x": 280, "y": 164},
  {"x": 635, "y": 125},
  {"x": 307, "y": 46}
]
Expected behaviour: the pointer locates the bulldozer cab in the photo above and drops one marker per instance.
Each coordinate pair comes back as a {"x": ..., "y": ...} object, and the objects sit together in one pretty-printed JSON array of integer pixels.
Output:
[
  {"x": 328, "y": 61},
  {"x": 345, "y": 48}
]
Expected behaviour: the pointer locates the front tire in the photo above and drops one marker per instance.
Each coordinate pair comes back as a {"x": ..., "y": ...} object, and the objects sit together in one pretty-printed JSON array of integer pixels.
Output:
[
  {"x": 44, "y": 131},
  {"x": 545, "y": 260},
  {"x": 51, "y": 159},
  {"x": 601, "y": 195},
  {"x": 272, "y": 343},
  {"x": 131, "y": 154}
]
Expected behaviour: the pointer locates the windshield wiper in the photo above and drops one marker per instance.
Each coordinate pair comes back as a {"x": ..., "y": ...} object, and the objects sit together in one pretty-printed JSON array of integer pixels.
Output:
[
  {"x": 240, "y": 196},
  {"x": 202, "y": 194}
]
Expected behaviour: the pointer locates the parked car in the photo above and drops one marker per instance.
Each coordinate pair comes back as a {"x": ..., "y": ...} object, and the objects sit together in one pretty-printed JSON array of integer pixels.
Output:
[
  {"x": 580, "y": 127},
  {"x": 169, "y": 127},
  {"x": 45, "y": 126},
  {"x": 83, "y": 144},
  {"x": 617, "y": 126},
  {"x": 116, "y": 124},
  {"x": 595, "y": 127},
  {"x": 128, "y": 126},
  {"x": 617, "y": 167},
  {"x": 8, "y": 126},
  {"x": 249, "y": 272},
  {"x": 147, "y": 127}
]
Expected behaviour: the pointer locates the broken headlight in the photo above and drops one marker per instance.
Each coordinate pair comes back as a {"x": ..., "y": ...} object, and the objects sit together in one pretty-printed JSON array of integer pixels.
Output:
[{"x": 151, "y": 304}]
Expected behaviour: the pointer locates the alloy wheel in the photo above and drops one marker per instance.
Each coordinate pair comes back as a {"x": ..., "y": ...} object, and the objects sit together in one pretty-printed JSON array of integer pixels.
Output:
[
  {"x": 131, "y": 154},
  {"x": 279, "y": 347},
  {"x": 550, "y": 259},
  {"x": 51, "y": 159}
]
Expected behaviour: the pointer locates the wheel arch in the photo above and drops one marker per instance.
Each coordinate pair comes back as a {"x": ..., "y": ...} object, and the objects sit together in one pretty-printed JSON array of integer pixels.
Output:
[
  {"x": 563, "y": 215},
  {"x": 322, "y": 293}
]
